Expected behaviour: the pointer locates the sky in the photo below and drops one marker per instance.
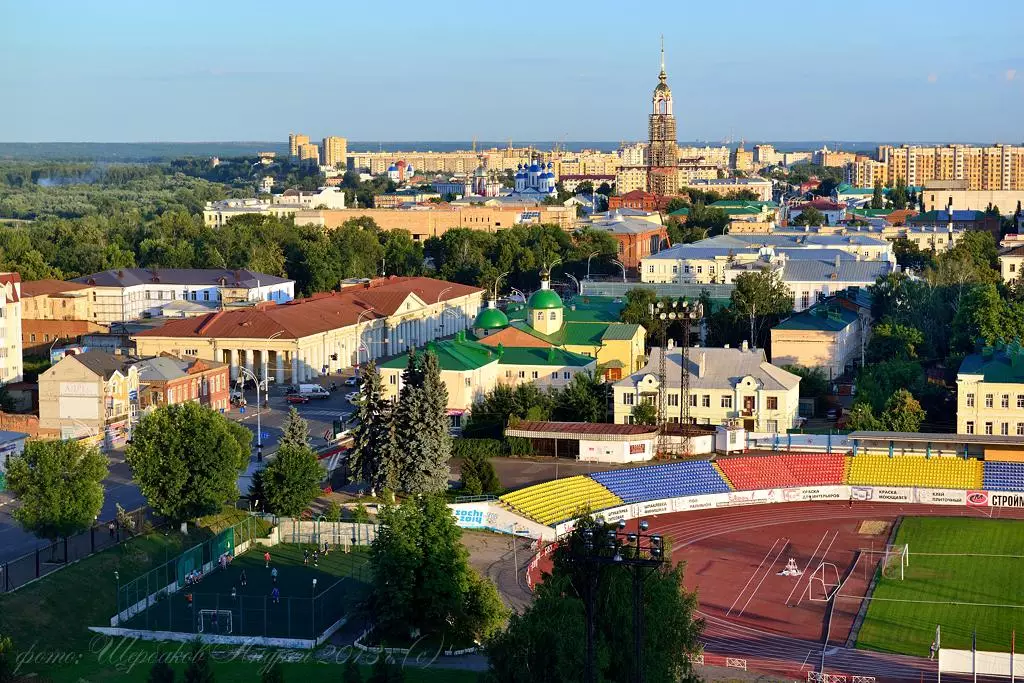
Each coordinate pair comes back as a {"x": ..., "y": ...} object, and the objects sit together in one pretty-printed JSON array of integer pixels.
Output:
[{"x": 220, "y": 70}]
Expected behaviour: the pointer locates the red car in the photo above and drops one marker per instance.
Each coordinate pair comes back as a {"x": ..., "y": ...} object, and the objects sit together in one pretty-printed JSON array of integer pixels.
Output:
[{"x": 295, "y": 398}]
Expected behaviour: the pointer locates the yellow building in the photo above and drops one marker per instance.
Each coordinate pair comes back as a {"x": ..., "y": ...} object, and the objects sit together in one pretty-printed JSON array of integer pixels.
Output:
[
  {"x": 996, "y": 167},
  {"x": 831, "y": 335},
  {"x": 724, "y": 384},
  {"x": 990, "y": 391},
  {"x": 91, "y": 395},
  {"x": 588, "y": 326},
  {"x": 1011, "y": 263},
  {"x": 56, "y": 300},
  {"x": 470, "y": 370},
  {"x": 295, "y": 141},
  {"x": 309, "y": 153},
  {"x": 435, "y": 220},
  {"x": 335, "y": 151}
]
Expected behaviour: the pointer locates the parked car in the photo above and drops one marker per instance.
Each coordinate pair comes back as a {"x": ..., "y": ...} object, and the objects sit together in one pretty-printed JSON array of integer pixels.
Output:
[
  {"x": 296, "y": 398},
  {"x": 352, "y": 396},
  {"x": 353, "y": 381},
  {"x": 313, "y": 391}
]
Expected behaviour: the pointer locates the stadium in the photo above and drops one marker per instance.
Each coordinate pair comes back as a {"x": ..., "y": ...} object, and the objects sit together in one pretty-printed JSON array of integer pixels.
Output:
[{"x": 817, "y": 566}]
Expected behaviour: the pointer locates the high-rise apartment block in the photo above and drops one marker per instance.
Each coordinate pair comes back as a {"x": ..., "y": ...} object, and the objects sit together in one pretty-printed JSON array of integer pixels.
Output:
[
  {"x": 995, "y": 167},
  {"x": 295, "y": 141},
  {"x": 309, "y": 153},
  {"x": 335, "y": 151}
]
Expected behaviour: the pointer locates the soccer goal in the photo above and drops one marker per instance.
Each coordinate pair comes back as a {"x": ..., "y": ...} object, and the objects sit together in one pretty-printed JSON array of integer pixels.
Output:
[
  {"x": 217, "y": 621},
  {"x": 895, "y": 561}
]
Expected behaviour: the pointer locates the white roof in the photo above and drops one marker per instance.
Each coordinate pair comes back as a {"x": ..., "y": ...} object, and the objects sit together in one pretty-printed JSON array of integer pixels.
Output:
[{"x": 715, "y": 368}]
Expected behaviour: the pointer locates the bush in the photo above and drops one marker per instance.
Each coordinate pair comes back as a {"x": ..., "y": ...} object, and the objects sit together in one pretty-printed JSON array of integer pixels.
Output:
[
  {"x": 361, "y": 516},
  {"x": 464, "y": 448},
  {"x": 478, "y": 475},
  {"x": 333, "y": 513},
  {"x": 517, "y": 446}
]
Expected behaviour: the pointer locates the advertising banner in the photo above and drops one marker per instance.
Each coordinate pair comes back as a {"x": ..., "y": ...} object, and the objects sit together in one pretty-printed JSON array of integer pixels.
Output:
[
  {"x": 761, "y": 497},
  {"x": 612, "y": 515},
  {"x": 654, "y": 507},
  {"x": 808, "y": 493},
  {"x": 977, "y": 499},
  {"x": 690, "y": 503},
  {"x": 882, "y": 494},
  {"x": 941, "y": 497},
  {"x": 1001, "y": 499}
]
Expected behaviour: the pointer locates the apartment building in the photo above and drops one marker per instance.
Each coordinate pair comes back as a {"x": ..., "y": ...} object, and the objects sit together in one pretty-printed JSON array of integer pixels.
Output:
[
  {"x": 10, "y": 328},
  {"x": 335, "y": 151},
  {"x": 295, "y": 141},
  {"x": 996, "y": 167},
  {"x": 725, "y": 384},
  {"x": 130, "y": 294},
  {"x": 990, "y": 391}
]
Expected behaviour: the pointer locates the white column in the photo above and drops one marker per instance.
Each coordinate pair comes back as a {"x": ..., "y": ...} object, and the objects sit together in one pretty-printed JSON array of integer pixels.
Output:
[
  {"x": 295, "y": 367},
  {"x": 279, "y": 374},
  {"x": 248, "y": 360}
]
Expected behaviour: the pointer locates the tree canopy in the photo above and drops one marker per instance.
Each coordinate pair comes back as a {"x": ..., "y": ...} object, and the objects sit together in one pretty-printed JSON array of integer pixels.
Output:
[
  {"x": 291, "y": 480},
  {"x": 59, "y": 485},
  {"x": 186, "y": 459}
]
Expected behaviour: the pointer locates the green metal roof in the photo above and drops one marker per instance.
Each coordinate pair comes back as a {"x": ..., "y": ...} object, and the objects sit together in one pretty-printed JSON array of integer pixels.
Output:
[
  {"x": 1002, "y": 364},
  {"x": 543, "y": 356},
  {"x": 545, "y": 299},
  {"x": 458, "y": 355},
  {"x": 620, "y": 332},
  {"x": 819, "y": 318},
  {"x": 680, "y": 212},
  {"x": 592, "y": 309},
  {"x": 871, "y": 213},
  {"x": 490, "y": 319}
]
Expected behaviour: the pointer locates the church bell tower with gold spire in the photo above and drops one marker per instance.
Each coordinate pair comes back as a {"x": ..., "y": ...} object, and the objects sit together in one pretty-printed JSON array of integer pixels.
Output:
[{"x": 662, "y": 150}]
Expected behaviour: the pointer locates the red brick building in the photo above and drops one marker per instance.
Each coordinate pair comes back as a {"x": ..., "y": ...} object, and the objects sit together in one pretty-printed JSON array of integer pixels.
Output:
[
  {"x": 638, "y": 199},
  {"x": 168, "y": 380}
]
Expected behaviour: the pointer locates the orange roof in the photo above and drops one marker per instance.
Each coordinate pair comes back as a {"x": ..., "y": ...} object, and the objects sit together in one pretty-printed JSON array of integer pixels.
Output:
[
  {"x": 511, "y": 337},
  {"x": 318, "y": 313},
  {"x": 49, "y": 287}
]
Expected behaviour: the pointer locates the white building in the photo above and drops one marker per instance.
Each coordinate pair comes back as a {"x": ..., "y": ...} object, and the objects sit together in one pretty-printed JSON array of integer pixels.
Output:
[
  {"x": 135, "y": 293},
  {"x": 725, "y": 384},
  {"x": 726, "y": 186},
  {"x": 324, "y": 197},
  {"x": 10, "y": 328},
  {"x": 284, "y": 205},
  {"x": 266, "y": 184}
]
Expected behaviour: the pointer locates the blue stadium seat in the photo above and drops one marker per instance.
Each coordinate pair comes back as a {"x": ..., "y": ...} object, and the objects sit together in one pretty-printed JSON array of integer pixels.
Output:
[
  {"x": 1004, "y": 476},
  {"x": 691, "y": 478}
]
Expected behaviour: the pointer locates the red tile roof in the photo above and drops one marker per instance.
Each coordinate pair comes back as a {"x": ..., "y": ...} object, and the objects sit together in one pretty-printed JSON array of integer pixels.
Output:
[
  {"x": 31, "y": 288},
  {"x": 318, "y": 313}
]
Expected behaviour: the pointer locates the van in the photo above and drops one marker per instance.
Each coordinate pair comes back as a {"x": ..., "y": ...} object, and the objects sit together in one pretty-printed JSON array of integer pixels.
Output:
[{"x": 313, "y": 391}]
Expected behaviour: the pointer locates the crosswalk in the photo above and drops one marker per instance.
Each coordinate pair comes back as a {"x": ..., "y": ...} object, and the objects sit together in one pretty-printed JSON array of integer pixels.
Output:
[{"x": 323, "y": 413}]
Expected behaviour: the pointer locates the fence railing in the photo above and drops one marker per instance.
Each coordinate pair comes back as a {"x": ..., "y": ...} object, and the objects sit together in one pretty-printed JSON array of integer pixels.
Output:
[{"x": 60, "y": 553}]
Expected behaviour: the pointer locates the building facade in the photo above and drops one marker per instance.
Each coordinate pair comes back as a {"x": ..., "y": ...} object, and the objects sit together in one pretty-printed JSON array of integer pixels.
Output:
[
  {"x": 831, "y": 335},
  {"x": 995, "y": 167},
  {"x": 55, "y": 300},
  {"x": 1011, "y": 263},
  {"x": 725, "y": 384},
  {"x": 425, "y": 221},
  {"x": 323, "y": 334},
  {"x": 135, "y": 293},
  {"x": 168, "y": 380},
  {"x": 11, "y": 363},
  {"x": 335, "y": 151},
  {"x": 990, "y": 391}
]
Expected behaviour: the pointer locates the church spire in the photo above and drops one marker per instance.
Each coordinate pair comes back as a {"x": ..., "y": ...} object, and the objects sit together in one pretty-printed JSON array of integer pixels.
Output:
[{"x": 662, "y": 76}]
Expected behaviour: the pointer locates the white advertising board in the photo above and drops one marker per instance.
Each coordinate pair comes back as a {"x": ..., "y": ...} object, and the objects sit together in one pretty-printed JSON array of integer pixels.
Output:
[
  {"x": 1005, "y": 499},
  {"x": 941, "y": 496}
]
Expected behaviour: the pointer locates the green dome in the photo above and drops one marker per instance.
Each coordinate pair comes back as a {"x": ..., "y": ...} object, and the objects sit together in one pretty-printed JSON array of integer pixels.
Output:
[
  {"x": 545, "y": 298},
  {"x": 490, "y": 319}
]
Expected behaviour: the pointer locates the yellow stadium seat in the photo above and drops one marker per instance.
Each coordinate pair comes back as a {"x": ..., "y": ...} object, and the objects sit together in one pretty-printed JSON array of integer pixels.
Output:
[
  {"x": 558, "y": 500},
  {"x": 915, "y": 470}
]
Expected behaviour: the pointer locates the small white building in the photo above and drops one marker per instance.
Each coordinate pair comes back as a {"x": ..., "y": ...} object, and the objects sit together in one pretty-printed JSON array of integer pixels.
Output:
[{"x": 12, "y": 444}]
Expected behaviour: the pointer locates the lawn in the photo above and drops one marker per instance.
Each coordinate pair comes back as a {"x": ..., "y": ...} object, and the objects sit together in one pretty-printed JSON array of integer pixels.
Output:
[
  {"x": 299, "y": 612},
  {"x": 937, "y": 587}
]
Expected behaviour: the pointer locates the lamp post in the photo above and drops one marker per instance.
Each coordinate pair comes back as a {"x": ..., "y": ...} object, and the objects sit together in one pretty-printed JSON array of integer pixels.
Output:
[
  {"x": 259, "y": 427},
  {"x": 359, "y": 336},
  {"x": 621, "y": 265},
  {"x": 117, "y": 579},
  {"x": 641, "y": 552},
  {"x": 579, "y": 287},
  {"x": 592, "y": 255}
]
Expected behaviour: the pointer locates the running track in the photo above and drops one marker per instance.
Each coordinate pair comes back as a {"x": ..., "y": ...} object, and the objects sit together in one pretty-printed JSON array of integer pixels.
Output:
[{"x": 769, "y": 651}]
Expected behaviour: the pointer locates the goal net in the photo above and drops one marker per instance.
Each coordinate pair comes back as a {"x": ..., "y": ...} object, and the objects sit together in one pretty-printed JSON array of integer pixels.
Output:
[
  {"x": 895, "y": 561},
  {"x": 216, "y": 621}
]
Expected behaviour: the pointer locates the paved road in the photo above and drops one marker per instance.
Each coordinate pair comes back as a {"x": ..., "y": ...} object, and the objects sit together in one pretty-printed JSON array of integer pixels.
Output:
[{"x": 14, "y": 542}]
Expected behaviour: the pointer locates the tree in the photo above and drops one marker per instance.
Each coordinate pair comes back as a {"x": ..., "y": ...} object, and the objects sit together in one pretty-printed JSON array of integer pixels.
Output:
[
  {"x": 333, "y": 513},
  {"x": 274, "y": 674},
  {"x": 605, "y": 189},
  {"x": 862, "y": 418},
  {"x": 902, "y": 413},
  {"x": 257, "y": 493},
  {"x": 898, "y": 196},
  {"x": 891, "y": 340},
  {"x": 877, "y": 198},
  {"x": 7, "y": 660},
  {"x": 187, "y": 458},
  {"x": 295, "y": 431},
  {"x": 492, "y": 414},
  {"x": 421, "y": 579},
  {"x": 813, "y": 382},
  {"x": 199, "y": 669},
  {"x": 374, "y": 458},
  {"x": 810, "y": 216},
  {"x": 386, "y": 670},
  {"x": 59, "y": 485},
  {"x": 645, "y": 414},
  {"x": 910, "y": 256},
  {"x": 583, "y": 399},
  {"x": 291, "y": 481},
  {"x": 763, "y": 298},
  {"x": 422, "y": 428},
  {"x": 637, "y": 311},
  {"x": 161, "y": 671},
  {"x": 547, "y": 642},
  {"x": 478, "y": 475}
]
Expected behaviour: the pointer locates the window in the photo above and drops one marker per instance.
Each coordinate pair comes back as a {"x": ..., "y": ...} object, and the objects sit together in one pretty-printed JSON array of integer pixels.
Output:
[
  {"x": 650, "y": 269},
  {"x": 627, "y": 399},
  {"x": 988, "y": 428},
  {"x": 970, "y": 427},
  {"x": 693, "y": 400},
  {"x": 552, "y": 315},
  {"x": 1020, "y": 429},
  {"x": 686, "y": 269},
  {"x": 540, "y": 316},
  {"x": 727, "y": 401},
  {"x": 805, "y": 299},
  {"x": 534, "y": 374},
  {"x": 33, "y": 337},
  {"x": 148, "y": 295},
  {"x": 554, "y": 375},
  {"x": 988, "y": 400},
  {"x": 1020, "y": 400},
  {"x": 970, "y": 401},
  {"x": 508, "y": 373},
  {"x": 700, "y": 269},
  {"x": 773, "y": 403},
  {"x": 705, "y": 401},
  {"x": 673, "y": 400},
  {"x": 711, "y": 269},
  {"x": 566, "y": 375},
  {"x": 206, "y": 295},
  {"x": 522, "y": 374},
  {"x": 469, "y": 382},
  {"x": 675, "y": 270},
  {"x": 1004, "y": 429},
  {"x": 773, "y": 426}
]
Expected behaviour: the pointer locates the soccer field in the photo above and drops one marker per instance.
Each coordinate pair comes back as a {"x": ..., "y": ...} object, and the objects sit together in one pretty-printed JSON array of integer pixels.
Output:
[
  {"x": 301, "y": 613},
  {"x": 963, "y": 574}
]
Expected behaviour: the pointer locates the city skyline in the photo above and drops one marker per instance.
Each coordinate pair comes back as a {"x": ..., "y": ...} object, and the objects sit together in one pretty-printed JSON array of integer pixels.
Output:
[{"x": 124, "y": 73}]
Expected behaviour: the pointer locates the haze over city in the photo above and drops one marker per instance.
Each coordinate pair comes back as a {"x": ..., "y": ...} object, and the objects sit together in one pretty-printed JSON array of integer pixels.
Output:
[{"x": 190, "y": 71}]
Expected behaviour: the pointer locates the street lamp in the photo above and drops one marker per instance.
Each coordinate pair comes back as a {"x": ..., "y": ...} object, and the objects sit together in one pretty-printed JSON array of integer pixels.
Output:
[
  {"x": 596, "y": 253},
  {"x": 359, "y": 336},
  {"x": 579, "y": 287},
  {"x": 259, "y": 427},
  {"x": 620, "y": 264}
]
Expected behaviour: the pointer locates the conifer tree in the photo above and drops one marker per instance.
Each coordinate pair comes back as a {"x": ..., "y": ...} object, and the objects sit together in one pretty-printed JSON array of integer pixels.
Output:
[
  {"x": 373, "y": 456},
  {"x": 421, "y": 427},
  {"x": 295, "y": 431}
]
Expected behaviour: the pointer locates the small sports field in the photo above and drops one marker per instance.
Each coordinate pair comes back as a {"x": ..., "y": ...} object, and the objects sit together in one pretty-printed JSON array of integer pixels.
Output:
[
  {"x": 962, "y": 574},
  {"x": 303, "y": 610}
]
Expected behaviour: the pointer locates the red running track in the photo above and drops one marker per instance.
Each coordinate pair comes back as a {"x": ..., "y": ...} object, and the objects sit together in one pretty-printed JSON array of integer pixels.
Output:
[{"x": 733, "y": 556}]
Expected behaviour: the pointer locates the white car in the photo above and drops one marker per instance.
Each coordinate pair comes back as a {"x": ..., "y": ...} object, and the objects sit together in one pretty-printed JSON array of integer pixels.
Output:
[
  {"x": 353, "y": 396},
  {"x": 352, "y": 381}
]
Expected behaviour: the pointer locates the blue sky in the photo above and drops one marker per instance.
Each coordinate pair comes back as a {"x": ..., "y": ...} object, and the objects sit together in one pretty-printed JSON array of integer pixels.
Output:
[{"x": 163, "y": 70}]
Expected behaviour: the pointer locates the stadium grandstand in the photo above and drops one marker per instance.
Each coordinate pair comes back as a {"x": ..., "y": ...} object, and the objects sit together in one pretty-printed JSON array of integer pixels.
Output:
[
  {"x": 690, "y": 478},
  {"x": 1004, "y": 476},
  {"x": 558, "y": 500},
  {"x": 916, "y": 470},
  {"x": 783, "y": 470}
]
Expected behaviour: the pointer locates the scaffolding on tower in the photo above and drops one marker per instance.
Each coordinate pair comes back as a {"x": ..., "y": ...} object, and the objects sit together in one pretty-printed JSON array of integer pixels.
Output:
[{"x": 667, "y": 312}]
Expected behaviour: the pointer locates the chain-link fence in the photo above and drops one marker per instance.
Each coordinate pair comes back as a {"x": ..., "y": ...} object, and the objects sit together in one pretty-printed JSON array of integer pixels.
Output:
[
  {"x": 316, "y": 532},
  {"x": 58, "y": 554}
]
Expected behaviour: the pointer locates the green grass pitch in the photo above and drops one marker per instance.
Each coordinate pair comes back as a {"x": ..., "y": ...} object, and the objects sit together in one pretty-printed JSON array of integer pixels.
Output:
[
  {"x": 341, "y": 582},
  {"x": 934, "y": 584}
]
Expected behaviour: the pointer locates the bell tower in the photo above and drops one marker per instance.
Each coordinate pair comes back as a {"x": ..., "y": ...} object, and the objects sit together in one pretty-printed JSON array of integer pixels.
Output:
[{"x": 663, "y": 152}]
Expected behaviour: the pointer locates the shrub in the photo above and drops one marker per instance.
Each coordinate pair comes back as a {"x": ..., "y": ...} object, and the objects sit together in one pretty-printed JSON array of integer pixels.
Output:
[
  {"x": 333, "y": 513},
  {"x": 517, "y": 445},
  {"x": 464, "y": 448}
]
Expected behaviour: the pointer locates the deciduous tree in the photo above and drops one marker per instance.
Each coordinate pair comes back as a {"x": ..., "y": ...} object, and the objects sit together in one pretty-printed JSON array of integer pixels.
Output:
[{"x": 291, "y": 480}]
